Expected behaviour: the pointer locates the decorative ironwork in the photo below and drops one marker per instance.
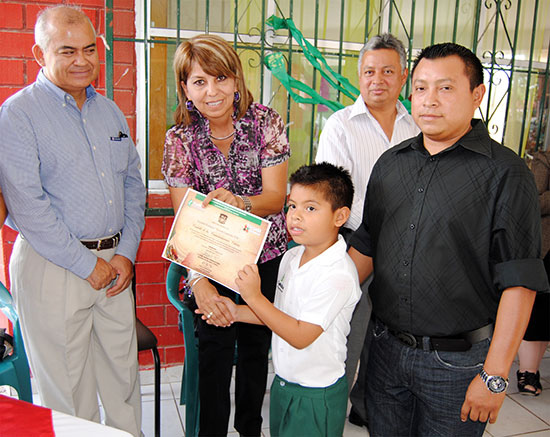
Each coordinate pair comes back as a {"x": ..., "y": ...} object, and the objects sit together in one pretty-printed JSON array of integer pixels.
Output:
[
  {"x": 489, "y": 3},
  {"x": 489, "y": 27}
]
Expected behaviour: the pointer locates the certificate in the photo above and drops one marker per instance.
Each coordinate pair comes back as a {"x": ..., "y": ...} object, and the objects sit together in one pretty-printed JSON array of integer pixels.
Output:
[{"x": 216, "y": 241}]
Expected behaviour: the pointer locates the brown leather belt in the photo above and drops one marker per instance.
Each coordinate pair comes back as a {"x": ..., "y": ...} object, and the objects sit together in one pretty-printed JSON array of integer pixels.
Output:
[
  {"x": 456, "y": 343},
  {"x": 106, "y": 243}
]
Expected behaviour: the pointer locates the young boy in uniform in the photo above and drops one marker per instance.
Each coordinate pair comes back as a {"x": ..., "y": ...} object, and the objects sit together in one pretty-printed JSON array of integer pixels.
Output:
[{"x": 317, "y": 289}]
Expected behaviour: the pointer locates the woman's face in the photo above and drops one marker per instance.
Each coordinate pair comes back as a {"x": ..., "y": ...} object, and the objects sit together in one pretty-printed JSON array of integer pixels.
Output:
[{"x": 213, "y": 96}]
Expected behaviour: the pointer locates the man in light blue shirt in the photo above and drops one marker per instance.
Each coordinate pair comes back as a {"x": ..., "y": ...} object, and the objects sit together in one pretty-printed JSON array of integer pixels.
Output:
[{"x": 70, "y": 176}]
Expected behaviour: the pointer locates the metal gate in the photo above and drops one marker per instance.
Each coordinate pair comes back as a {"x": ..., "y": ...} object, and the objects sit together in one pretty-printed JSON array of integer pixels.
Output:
[{"x": 510, "y": 37}]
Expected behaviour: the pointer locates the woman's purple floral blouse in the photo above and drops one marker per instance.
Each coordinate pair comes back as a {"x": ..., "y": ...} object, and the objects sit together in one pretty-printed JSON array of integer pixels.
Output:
[{"x": 192, "y": 160}]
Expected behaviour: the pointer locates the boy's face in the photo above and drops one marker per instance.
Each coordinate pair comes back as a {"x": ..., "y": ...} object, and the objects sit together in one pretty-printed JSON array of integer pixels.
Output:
[{"x": 310, "y": 218}]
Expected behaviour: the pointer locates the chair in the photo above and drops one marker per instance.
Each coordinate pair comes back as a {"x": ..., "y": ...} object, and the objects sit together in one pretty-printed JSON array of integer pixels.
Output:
[
  {"x": 148, "y": 341},
  {"x": 190, "y": 379},
  {"x": 14, "y": 370}
]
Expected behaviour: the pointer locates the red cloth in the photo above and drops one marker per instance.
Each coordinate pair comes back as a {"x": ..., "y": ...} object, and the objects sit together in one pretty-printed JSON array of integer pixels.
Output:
[{"x": 20, "y": 418}]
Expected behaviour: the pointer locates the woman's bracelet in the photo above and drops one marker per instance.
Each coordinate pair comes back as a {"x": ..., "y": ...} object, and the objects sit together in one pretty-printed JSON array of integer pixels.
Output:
[
  {"x": 195, "y": 280},
  {"x": 192, "y": 278},
  {"x": 192, "y": 275}
]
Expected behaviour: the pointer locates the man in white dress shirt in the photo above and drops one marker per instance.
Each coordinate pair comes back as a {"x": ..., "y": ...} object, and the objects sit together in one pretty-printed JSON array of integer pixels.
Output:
[{"x": 354, "y": 138}]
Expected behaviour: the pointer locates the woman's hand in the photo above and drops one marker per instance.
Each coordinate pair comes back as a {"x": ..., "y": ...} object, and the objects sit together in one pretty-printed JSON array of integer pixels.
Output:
[
  {"x": 225, "y": 196},
  {"x": 270, "y": 201},
  {"x": 207, "y": 297},
  {"x": 230, "y": 306}
]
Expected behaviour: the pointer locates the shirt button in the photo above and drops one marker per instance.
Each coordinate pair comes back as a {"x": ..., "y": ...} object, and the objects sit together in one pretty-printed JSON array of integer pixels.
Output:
[
  {"x": 405, "y": 263},
  {"x": 110, "y": 229},
  {"x": 102, "y": 174},
  {"x": 63, "y": 105},
  {"x": 83, "y": 120},
  {"x": 421, "y": 190},
  {"x": 94, "y": 148},
  {"x": 411, "y": 226},
  {"x": 432, "y": 159},
  {"x": 282, "y": 383},
  {"x": 110, "y": 202}
]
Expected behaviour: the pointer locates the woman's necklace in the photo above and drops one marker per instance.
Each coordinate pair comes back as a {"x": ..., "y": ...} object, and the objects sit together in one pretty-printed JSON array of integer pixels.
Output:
[{"x": 222, "y": 138}]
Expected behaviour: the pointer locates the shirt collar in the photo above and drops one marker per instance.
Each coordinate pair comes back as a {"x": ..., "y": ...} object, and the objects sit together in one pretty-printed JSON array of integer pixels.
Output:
[
  {"x": 334, "y": 252},
  {"x": 359, "y": 107},
  {"x": 58, "y": 92},
  {"x": 476, "y": 140}
]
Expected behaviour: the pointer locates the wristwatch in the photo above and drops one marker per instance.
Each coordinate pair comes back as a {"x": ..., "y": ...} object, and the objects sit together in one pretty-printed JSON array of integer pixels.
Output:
[
  {"x": 495, "y": 383},
  {"x": 247, "y": 203}
]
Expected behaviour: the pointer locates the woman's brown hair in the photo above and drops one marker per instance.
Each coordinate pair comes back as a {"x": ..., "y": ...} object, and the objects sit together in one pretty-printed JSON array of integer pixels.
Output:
[{"x": 216, "y": 57}]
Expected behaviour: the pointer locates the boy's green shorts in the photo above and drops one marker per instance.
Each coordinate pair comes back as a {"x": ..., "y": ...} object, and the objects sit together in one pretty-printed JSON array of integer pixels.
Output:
[{"x": 297, "y": 411}]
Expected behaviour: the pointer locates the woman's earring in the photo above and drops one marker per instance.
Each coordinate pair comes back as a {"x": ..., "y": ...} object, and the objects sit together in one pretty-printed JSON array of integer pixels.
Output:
[
  {"x": 237, "y": 97},
  {"x": 189, "y": 105}
]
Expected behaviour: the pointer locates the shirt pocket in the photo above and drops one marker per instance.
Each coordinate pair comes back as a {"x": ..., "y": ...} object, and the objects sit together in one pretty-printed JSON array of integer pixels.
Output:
[{"x": 119, "y": 155}]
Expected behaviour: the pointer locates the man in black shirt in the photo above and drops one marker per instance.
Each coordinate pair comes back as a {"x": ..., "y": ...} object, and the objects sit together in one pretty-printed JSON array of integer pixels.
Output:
[{"x": 452, "y": 226}]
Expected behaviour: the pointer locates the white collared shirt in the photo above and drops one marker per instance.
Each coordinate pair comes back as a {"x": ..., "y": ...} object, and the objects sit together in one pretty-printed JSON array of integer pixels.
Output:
[
  {"x": 324, "y": 292},
  {"x": 353, "y": 138}
]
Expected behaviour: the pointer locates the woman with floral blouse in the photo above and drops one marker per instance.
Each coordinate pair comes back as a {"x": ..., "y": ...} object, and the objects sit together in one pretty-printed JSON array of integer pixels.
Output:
[{"x": 235, "y": 150}]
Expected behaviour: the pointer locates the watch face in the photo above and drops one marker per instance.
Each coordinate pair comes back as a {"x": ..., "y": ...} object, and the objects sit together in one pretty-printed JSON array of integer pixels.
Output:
[{"x": 497, "y": 384}]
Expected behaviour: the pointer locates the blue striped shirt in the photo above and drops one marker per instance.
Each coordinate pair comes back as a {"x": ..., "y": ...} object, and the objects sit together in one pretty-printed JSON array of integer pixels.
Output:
[{"x": 68, "y": 175}]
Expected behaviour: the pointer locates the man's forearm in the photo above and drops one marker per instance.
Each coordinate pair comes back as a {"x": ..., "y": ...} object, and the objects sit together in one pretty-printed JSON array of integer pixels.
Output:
[
  {"x": 512, "y": 318},
  {"x": 513, "y": 315},
  {"x": 134, "y": 211},
  {"x": 363, "y": 263}
]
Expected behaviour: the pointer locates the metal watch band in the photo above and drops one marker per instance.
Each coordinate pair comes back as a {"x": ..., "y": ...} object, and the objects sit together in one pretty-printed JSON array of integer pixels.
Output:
[
  {"x": 247, "y": 203},
  {"x": 495, "y": 383}
]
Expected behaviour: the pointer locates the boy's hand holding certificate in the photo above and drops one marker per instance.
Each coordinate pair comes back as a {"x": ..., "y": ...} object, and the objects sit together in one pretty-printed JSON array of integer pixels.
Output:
[{"x": 217, "y": 241}]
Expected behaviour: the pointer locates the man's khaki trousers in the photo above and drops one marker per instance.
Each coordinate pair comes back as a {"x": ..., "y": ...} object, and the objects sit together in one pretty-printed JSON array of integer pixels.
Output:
[{"x": 80, "y": 343}]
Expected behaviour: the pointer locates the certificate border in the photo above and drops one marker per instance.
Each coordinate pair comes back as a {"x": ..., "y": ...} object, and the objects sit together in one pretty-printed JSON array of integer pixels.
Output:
[{"x": 223, "y": 206}]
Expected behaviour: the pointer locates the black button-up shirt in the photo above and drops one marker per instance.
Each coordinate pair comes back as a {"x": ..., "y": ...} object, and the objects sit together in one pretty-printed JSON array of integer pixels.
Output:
[{"x": 448, "y": 233}]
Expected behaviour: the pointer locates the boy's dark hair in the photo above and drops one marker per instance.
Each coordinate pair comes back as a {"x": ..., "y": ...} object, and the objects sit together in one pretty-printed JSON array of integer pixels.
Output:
[
  {"x": 335, "y": 182},
  {"x": 472, "y": 64}
]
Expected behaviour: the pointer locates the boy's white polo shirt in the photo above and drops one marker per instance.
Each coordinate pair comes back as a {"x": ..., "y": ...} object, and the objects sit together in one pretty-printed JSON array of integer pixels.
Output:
[{"x": 324, "y": 292}]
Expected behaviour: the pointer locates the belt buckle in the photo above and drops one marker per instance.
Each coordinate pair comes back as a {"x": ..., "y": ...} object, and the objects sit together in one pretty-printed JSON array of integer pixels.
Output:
[
  {"x": 99, "y": 242},
  {"x": 407, "y": 339}
]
